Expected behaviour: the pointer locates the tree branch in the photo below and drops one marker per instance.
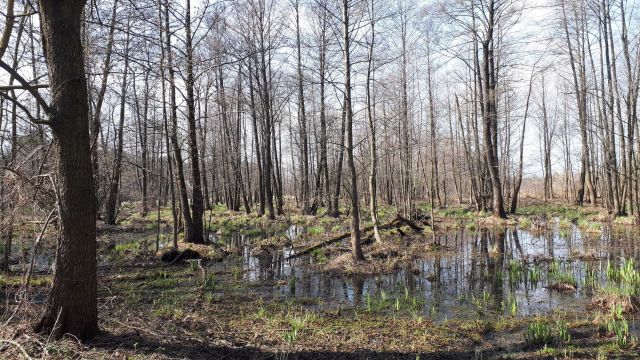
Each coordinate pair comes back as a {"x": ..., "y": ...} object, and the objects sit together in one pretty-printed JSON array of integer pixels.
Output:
[
  {"x": 26, "y": 111},
  {"x": 4, "y": 88},
  {"x": 28, "y": 87}
]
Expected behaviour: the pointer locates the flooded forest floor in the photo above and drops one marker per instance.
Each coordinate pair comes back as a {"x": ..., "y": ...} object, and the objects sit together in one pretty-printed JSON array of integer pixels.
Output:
[{"x": 552, "y": 281}]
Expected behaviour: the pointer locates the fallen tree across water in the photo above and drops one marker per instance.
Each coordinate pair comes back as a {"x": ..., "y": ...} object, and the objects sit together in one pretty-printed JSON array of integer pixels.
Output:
[{"x": 397, "y": 222}]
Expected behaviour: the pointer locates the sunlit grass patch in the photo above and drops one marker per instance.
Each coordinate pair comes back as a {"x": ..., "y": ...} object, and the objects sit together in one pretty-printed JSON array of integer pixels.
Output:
[
  {"x": 16, "y": 280},
  {"x": 315, "y": 230}
]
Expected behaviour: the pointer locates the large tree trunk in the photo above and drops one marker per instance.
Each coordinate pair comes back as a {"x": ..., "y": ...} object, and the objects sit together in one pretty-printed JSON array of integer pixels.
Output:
[
  {"x": 256, "y": 140},
  {"x": 407, "y": 181},
  {"x": 72, "y": 306}
]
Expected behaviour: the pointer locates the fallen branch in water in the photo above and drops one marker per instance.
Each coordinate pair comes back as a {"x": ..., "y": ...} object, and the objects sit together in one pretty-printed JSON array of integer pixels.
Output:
[{"x": 395, "y": 223}]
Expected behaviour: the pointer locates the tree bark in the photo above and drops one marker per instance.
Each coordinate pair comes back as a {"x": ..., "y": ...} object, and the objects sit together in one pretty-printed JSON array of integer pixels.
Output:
[
  {"x": 356, "y": 249},
  {"x": 72, "y": 304},
  {"x": 197, "y": 201},
  {"x": 111, "y": 205}
]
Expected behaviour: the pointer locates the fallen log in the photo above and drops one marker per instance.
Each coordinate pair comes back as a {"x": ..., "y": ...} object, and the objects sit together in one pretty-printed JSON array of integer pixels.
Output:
[
  {"x": 409, "y": 223},
  {"x": 397, "y": 222}
]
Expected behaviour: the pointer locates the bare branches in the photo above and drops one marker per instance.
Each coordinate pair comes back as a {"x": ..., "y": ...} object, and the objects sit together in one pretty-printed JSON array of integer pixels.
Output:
[
  {"x": 25, "y": 110},
  {"x": 31, "y": 89}
]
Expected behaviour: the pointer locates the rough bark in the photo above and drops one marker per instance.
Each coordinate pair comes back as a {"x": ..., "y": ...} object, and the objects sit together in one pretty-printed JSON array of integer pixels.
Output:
[
  {"x": 356, "y": 249},
  {"x": 72, "y": 304}
]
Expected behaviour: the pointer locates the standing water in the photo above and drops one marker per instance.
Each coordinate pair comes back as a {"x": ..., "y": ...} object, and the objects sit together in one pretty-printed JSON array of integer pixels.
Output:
[{"x": 507, "y": 270}]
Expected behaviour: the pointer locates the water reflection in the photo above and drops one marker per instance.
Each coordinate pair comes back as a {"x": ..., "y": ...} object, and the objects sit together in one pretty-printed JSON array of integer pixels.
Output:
[{"x": 495, "y": 268}]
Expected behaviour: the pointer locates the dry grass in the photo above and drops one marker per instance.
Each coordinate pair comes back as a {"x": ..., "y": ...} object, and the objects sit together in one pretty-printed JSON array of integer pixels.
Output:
[
  {"x": 344, "y": 264},
  {"x": 608, "y": 301}
]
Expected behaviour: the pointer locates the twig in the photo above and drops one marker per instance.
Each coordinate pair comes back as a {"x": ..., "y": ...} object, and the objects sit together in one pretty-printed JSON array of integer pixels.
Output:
[
  {"x": 33, "y": 255},
  {"x": 22, "y": 350}
]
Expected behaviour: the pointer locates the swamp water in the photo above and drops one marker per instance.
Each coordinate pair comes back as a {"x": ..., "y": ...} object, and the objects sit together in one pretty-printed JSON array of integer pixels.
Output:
[
  {"x": 506, "y": 271},
  {"x": 501, "y": 271}
]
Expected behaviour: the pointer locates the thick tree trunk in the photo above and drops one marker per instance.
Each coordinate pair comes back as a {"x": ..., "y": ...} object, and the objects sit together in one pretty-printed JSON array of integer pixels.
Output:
[
  {"x": 435, "y": 174},
  {"x": 581, "y": 96},
  {"x": 256, "y": 140},
  {"x": 72, "y": 305}
]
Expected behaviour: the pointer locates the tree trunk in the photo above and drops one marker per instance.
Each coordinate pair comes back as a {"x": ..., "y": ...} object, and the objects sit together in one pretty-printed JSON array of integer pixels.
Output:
[
  {"x": 356, "y": 249},
  {"x": 173, "y": 134},
  {"x": 518, "y": 182},
  {"x": 72, "y": 304},
  {"x": 490, "y": 115},
  {"x": 111, "y": 205},
  {"x": 373, "y": 153},
  {"x": 197, "y": 202}
]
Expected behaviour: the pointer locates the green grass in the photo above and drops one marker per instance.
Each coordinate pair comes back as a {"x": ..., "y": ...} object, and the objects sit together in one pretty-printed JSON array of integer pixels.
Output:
[
  {"x": 619, "y": 327},
  {"x": 126, "y": 246},
  {"x": 316, "y": 230},
  {"x": 296, "y": 324},
  {"x": 624, "y": 279},
  {"x": 538, "y": 333},
  {"x": 15, "y": 280},
  {"x": 564, "y": 277},
  {"x": 472, "y": 226},
  {"x": 516, "y": 271},
  {"x": 541, "y": 333},
  {"x": 457, "y": 213},
  {"x": 534, "y": 274},
  {"x": 566, "y": 213},
  {"x": 525, "y": 223},
  {"x": 319, "y": 256},
  {"x": 589, "y": 226}
]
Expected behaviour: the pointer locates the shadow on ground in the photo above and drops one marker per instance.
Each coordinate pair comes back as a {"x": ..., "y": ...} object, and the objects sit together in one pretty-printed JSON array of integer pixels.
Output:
[{"x": 134, "y": 343}]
